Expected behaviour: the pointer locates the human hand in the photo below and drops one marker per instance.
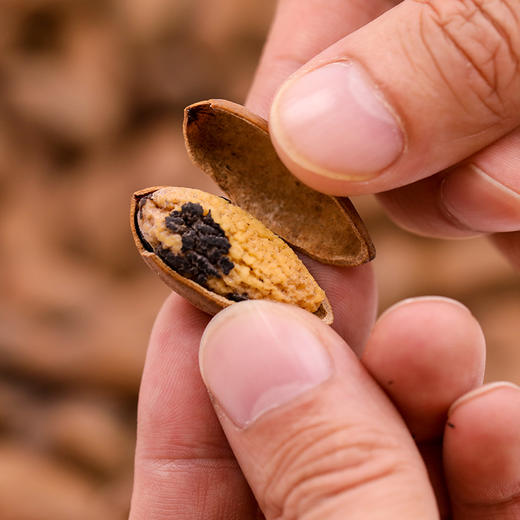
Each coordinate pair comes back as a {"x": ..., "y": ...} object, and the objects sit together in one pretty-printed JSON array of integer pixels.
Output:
[
  {"x": 316, "y": 433},
  {"x": 422, "y": 106}
]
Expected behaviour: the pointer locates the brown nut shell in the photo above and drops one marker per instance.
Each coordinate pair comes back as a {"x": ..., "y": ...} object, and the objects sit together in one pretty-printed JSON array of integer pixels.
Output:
[
  {"x": 233, "y": 146},
  {"x": 199, "y": 296}
]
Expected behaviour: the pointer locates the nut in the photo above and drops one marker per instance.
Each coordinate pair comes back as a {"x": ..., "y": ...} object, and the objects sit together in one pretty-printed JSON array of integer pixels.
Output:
[
  {"x": 223, "y": 248},
  {"x": 233, "y": 147},
  {"x": 214, "y": 252}
]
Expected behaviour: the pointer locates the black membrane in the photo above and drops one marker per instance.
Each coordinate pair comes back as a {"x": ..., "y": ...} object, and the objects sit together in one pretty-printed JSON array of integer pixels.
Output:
[
  {"x": 237, "y": 297},
  {"x": 204, "y": 246}
]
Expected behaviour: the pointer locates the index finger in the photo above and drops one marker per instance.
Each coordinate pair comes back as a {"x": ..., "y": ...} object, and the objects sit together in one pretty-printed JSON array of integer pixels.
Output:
[{"x": 184, "y": 468}]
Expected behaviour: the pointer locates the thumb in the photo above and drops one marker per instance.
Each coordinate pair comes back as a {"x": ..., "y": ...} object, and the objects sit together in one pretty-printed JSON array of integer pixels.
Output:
[
  {"x": 420, "y": 88},
  {"x": 314, "y": 435}
]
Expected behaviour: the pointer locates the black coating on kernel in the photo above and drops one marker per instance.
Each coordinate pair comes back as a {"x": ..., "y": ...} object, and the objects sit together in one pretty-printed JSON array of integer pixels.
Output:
[
  {"x": 237, "y": 297},
  {"x": 204, "y": 245}
]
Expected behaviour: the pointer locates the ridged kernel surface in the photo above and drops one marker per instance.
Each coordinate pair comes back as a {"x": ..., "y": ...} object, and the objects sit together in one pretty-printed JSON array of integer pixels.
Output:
[{"x": 264, "y": 266}]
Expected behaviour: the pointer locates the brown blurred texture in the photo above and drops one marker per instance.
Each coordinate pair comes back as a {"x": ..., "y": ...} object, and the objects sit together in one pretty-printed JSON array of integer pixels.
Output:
[{"x": 91, "y": 99}]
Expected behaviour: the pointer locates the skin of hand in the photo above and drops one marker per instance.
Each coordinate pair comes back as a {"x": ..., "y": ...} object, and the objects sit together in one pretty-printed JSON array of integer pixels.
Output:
[
  {"x": 298, "y": 427},
  {"x": 292, "y": 419},
  {"x": 417, "y": 101}
]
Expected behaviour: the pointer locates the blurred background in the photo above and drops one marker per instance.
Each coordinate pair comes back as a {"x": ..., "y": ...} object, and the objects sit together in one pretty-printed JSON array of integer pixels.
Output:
[{"x": 91, "y": 100}]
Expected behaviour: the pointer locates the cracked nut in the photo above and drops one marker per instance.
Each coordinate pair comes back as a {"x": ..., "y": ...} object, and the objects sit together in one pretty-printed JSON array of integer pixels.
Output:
[
  {"x": 215, "y": 252},
  {"x": 224, "y": 249}
]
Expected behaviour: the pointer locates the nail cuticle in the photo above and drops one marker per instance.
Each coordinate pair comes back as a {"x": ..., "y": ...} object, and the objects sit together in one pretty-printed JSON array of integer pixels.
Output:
[
  {"x": 423, "y": 299},
  {"x": 481, "y": 391}
]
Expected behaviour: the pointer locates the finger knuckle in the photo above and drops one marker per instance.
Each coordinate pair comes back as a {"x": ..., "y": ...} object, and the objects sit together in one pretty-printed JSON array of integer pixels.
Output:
[
  {"x": 322, "y": 463},
  {"x": 475, "y": 45}
]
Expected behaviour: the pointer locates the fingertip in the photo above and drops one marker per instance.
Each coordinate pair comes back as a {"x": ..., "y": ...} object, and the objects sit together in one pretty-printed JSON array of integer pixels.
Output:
[
  {"x": 426, "y": 352},
  {"x": 313, "y": 112},
  {"x": 482, "y": 451},
  {"x": 478, "y": 201},
  {"x": 354, "y": 315},
  {"x": 256, "y": 355},
  {"x": 434, "y": 325},
  {"x": 417, "y": 207}
]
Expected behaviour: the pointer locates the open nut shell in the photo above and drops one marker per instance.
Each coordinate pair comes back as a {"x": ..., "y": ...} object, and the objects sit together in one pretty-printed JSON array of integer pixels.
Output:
[
  {"x": 202, "y": 298},
  {"x": 233, "y": 146}
]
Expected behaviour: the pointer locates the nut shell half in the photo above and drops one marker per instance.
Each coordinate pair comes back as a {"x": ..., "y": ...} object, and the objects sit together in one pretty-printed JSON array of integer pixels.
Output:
[
  {"x": 233, "y": 146},
  {"x": 204, "y": 299}
]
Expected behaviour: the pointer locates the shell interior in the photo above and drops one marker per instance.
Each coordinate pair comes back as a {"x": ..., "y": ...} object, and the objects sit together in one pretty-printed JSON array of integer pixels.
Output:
[{"x": 234, "y": 148}]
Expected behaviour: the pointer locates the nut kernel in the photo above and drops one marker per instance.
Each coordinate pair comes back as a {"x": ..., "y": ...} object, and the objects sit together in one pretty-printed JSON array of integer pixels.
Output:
[{"x": 224, "y": 249}]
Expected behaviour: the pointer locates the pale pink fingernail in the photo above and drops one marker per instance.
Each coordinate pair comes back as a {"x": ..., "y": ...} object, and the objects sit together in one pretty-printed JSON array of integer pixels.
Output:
[
  {"x": 256, "y": 356},
  {"x": 482, "y": 390},
  {"x": 423, "y": 299},
  {"x": 479, "y": 202},
  {"x": 333, "y": 121}
]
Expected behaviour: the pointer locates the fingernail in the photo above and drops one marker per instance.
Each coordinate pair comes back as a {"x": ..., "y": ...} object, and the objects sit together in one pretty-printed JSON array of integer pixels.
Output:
[
  {"x": 423, "y": 299},
  {"x": 478, "y": 392},
  {"x": 479, "y": 202},
  {"x": 256, "y": 356},
  {"x": 333, "y": 121}
]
